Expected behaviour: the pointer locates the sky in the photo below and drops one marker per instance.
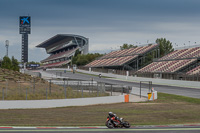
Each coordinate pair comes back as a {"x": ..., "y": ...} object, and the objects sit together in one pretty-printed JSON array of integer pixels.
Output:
[{"x": 107, "y": 23}]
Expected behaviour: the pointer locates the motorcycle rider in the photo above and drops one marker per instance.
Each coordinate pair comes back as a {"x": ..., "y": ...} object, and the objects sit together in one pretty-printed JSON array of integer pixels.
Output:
[
  {"x": 113, "y": 116},
  {"x": 117, "y": 118},
  {"x": 114, "y": 122},
  {"x": 110, "y": 114}
]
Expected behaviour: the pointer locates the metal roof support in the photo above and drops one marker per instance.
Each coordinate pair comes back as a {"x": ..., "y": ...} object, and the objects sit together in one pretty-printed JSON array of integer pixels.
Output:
[
  {"x": 158, "y": 53},
  {"x": 76, "y": 40}
]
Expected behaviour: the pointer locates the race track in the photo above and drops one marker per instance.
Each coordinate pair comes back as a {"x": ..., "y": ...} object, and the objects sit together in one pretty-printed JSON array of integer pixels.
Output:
[
  {"x": 195, "y": 129},
  {"x": 189, "y": 92}
]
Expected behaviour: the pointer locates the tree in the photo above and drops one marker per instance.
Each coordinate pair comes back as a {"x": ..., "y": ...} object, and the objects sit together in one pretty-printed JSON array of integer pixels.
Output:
[
  {"x": 81, "y": 60},
  {"x": 77, "y": 52},
  {"x": 165, "y": 46},
  {"x": 11, "y": 64},
  {"x": 33, "y": 62},
  {"x": 6, "y": 63},
  {"x": 127, "y": 46},
  {"x": 15, "y": 64}
]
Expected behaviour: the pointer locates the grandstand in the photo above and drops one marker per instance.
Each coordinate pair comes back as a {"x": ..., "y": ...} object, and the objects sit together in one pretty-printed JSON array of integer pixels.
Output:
[
  {"x": 194, "y": 71},
  {"x": 61, "y": 48},
  {"x": 127, "y": 59},
  {"x": 178, "y": 61}
]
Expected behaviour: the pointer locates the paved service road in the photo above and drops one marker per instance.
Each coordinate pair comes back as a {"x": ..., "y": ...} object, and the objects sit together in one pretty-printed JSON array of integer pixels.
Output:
[
  {"x": 189, "y": 92},
  {"x": 105, "y": 130}
]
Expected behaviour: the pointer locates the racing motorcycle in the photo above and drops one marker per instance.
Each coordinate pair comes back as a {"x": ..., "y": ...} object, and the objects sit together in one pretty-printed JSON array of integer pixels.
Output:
[{"x": 116, "y": 123}]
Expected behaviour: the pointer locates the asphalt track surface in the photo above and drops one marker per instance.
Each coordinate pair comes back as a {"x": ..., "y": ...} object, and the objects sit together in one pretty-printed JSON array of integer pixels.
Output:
[
  {"x": 104, "y": 130},
  {"x": 189, "y": 92}
]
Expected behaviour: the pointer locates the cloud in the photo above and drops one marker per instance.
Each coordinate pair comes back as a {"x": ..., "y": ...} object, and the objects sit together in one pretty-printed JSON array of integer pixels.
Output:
[{"x": 107, "y": 24}]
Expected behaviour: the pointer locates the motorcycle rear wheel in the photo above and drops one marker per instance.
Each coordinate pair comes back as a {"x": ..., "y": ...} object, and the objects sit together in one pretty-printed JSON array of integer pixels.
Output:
[{"x": 126, "y": 124}]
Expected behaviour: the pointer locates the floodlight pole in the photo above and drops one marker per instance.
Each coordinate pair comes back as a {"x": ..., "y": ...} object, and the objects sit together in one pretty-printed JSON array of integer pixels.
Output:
[{"x": 7, "y": 45}]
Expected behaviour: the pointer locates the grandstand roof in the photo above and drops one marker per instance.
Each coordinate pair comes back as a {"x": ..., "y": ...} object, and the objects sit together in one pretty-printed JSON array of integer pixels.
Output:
[{"x": 57, "y": 38}]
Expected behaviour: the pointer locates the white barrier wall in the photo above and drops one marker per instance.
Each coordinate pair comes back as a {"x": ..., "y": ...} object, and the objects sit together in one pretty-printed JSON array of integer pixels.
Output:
[
  {"x": 179, "y": 83},
  {"x": 30, "y": 104},
  {"x": 136, "y": 91}
]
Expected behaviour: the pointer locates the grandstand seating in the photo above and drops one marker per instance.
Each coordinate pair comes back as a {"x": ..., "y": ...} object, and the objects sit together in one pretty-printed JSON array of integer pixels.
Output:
[
  {"x": 66, "y": 44},
  {"x": 175, "y": 61},
  {"x": 56, "y": 64},
  {"x": 182, "y": 54},
  {"x": 167, "y": 66},
  {"x": 196, "y": 70},
  {"x": 60, "y": 55},
  {"x": 128, "y": 52},
  {"x": 62, "y": 47},
  {"x": 120, "y": 57},
  {"x": 111, "y": 61}
]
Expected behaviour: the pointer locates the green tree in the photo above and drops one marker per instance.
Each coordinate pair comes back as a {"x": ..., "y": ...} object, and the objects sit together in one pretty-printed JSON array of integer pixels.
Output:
[
  {"x": 127, "y": 46},
  {"x": 15, "y": 64},
  {"x": 6, "y": 63},
  {"x": 165, "y": 46},
  {"x": 33, "y": 62},
  {"x": 81, "y": 60},
  {"x": 77, "y": 52},
  {"x": 75, "y": 57}
]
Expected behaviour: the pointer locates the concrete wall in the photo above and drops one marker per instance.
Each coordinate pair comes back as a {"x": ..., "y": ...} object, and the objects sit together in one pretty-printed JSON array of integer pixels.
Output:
[
  {"x": 30, "y": 104},
  {"x": 37, "y": 74},
  {"x": 180, "y": 83},
  {"x": 169, "y": 82}
]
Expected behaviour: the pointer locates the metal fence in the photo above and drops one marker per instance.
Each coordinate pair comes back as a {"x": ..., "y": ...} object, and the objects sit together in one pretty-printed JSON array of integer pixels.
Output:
[
  {"x": 58, "y": 89},
  {"x": 93, "y": 86}
]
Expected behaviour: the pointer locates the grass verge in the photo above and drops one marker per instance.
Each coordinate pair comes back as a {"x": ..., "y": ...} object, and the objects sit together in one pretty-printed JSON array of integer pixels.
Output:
[
  {"x": 93, "y": 75},
  {"x": 39, "y": 90},
  {"x": 168, "y": 109}
]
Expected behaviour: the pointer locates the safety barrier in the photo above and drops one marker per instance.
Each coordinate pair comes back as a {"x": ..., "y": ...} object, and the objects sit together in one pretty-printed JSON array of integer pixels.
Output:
[{"x": 30, "y": 104}]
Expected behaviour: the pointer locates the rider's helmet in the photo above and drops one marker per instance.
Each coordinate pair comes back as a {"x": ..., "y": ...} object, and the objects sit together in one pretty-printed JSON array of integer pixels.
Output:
[
  {"x": 111, "y": 114},
  {"x": 114, "y": 115}
]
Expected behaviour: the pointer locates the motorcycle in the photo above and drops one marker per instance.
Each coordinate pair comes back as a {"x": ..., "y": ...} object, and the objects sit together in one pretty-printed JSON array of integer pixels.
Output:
[{"x": 116, "y": 123}]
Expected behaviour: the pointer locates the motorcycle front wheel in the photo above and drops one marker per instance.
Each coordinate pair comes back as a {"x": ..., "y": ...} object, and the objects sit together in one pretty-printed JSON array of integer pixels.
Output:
[
  {"x": 109, "y": 124},
  {"x": 126, "y": 124}
]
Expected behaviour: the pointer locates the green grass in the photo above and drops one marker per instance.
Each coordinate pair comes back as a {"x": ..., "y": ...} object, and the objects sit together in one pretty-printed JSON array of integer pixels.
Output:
[
  {"x": 168, "y": 98},
  {"x": 168, "y": 109},
  {"x": 93, "y": 75}
]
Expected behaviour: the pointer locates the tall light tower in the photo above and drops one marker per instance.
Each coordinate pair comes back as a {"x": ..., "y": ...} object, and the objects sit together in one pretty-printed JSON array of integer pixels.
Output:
[
  {"x": 7, "y": 45},
  {"x": 24, "y": 29}
]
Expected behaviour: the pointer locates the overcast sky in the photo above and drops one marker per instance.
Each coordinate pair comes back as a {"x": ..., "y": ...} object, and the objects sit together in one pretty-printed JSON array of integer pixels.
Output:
[{"x": 107, "y": 23}]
